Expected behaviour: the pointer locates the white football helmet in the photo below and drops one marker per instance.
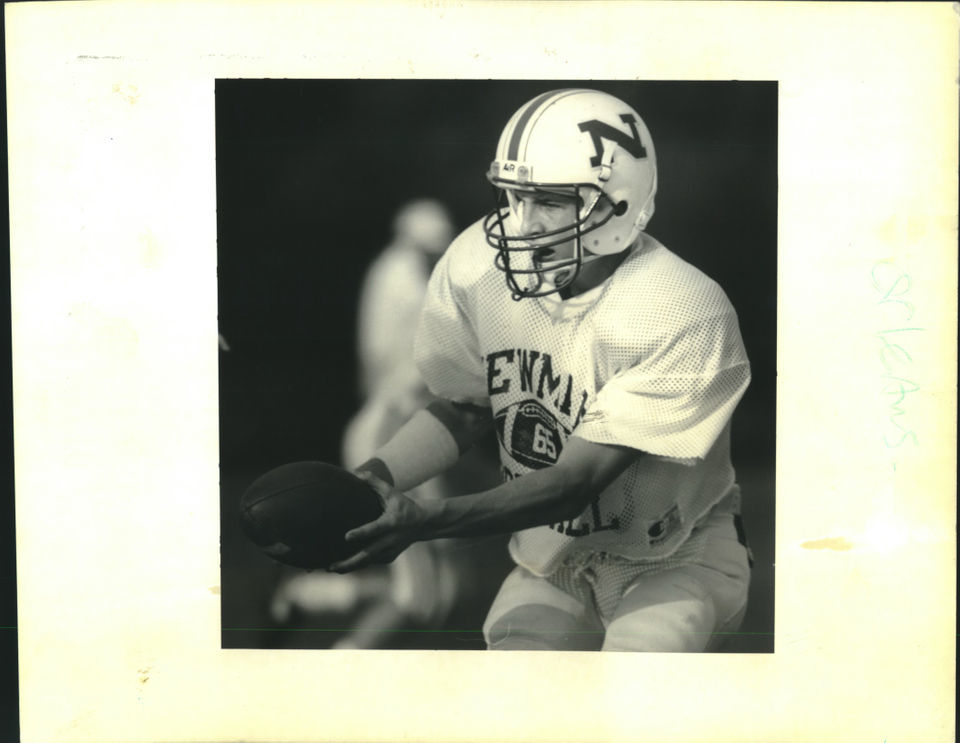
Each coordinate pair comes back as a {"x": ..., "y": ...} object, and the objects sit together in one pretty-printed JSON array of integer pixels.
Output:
[{"x": 583, "y": 143}]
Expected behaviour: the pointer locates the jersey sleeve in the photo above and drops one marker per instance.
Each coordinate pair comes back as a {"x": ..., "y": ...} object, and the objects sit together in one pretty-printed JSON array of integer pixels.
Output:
[
  {"x": 677, "y": 398},
  {"x": 446, "y": 348}
]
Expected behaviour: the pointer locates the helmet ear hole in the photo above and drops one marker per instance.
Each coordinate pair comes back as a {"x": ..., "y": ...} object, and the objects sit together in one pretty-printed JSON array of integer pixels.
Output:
[{"x": 620, "y": 209}]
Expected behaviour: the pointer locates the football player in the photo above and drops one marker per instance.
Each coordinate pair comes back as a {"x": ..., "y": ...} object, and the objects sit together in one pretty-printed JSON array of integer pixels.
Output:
[{"x": 609, "y": 369}]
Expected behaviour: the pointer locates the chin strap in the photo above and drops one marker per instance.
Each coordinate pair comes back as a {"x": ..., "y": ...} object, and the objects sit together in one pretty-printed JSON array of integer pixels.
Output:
[
  {"x": 646, "y": 211},
  {"x": 606, "y": 163}
]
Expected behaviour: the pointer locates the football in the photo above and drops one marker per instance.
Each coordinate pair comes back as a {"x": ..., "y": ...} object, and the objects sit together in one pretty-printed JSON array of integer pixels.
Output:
[
  {"x": 298, "y": 513},
  {"x": 530, "y": 434}
]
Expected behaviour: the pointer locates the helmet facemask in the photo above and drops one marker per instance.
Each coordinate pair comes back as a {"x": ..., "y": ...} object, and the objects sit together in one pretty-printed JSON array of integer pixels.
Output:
[{"x": 526, "y": 259}]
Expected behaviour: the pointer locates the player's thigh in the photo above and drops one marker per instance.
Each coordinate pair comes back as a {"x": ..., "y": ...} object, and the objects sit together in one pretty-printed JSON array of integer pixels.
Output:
[
  {"x": 530, "y": 613},
  {"x": 690, "y": 608},
  {"x": 664, "y": 612}
]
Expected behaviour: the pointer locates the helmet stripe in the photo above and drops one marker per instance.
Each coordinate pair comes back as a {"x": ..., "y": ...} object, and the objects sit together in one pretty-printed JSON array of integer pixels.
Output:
[
  {"x": 537, "y": 106},
  {"x": 514, "y": 147}
]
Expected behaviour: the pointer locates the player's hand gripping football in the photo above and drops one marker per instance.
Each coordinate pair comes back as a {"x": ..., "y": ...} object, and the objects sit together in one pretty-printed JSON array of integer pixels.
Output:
[{"x": 380, "y": 541}]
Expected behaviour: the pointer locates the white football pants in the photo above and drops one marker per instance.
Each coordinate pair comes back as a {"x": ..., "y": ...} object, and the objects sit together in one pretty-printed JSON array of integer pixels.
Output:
[{"x": 609, "y": 603}]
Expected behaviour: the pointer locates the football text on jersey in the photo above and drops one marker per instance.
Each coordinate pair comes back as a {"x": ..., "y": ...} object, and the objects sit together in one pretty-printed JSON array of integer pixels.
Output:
[
  {"x": 533, "y": 371},
  {"x": 528, "y": 430}
]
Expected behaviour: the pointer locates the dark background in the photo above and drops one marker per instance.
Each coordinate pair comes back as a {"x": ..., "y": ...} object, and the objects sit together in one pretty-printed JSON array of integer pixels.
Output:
[
  {"x": 309, "y": 176},
  {"x": 9, "y": 668}
]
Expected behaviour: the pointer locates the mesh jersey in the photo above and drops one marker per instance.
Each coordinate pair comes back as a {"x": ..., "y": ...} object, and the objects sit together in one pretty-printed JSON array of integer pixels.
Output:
[{"x": 651, "y": 359}]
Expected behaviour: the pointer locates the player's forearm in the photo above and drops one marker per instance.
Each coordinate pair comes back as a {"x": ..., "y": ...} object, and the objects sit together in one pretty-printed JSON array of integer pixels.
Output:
[
  {"x": 556, "y": 493},
  {"x": 541, "y": 497},
  {"x": 428, "y": 444}
]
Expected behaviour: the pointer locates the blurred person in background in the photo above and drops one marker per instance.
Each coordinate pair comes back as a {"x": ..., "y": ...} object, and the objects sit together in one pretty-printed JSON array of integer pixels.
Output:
[{"x": 419, "y": 590}]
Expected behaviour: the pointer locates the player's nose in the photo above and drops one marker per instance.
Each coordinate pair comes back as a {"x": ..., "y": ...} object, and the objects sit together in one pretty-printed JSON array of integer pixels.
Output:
[{"x": 530, "y": 221}]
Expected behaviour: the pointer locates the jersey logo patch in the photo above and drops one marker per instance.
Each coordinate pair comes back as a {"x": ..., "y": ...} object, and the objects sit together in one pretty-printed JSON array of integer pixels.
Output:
[
  {"x": 661, "y": 530},
  {"x": 530, "y": 434}
]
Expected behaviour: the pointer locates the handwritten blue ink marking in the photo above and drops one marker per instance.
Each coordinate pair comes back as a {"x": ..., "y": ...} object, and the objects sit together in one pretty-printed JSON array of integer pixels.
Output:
[{"x": 893, "y": 284}]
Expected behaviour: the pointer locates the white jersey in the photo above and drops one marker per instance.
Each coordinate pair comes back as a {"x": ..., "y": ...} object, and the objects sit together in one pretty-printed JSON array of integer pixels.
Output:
[
  {"x": 390, "y": 301},
  {"x": 651, "y": 359}
]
